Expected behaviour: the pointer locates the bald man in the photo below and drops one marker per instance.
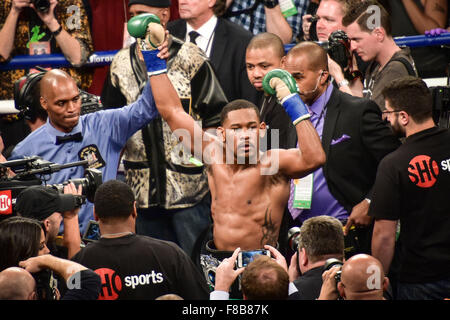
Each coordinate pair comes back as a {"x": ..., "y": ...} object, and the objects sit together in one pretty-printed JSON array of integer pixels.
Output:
[
  {"x": 17, "y": 284},
  {"x": 362, "y": 278},
  {"x": 68, "y": 137},
  {"x": 354, "y": 139}
]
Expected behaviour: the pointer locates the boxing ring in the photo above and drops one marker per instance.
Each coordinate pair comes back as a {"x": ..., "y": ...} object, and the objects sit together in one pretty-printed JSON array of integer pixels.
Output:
[{"x": 104, "y": 58}]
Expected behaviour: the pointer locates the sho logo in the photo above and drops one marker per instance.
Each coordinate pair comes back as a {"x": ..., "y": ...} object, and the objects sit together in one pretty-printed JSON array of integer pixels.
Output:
[
  {"x": 111, "y": 284},
  {"x": 144, "y": 279},
  {"x": 5, "y": 202},
  {"x": 423, "y": 171}
]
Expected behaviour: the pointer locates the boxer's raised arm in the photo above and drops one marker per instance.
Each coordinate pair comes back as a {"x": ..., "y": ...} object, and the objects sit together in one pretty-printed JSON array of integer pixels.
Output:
[{"x": 295, "y": 163}]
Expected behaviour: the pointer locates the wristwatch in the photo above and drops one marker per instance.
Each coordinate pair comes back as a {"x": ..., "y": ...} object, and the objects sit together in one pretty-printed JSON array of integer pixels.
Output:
[
  {"x": 270, "y": 3},
  {"x": 58, "y": 31},
  {"x": 343, "y": 83}
]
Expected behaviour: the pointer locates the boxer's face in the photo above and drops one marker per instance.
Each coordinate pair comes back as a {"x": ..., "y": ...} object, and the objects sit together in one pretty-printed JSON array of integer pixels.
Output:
[
  {"x": 259, "y": 61},
  {"x": 330, "y": 16},
  {"x": 63, "y": 104},
  {"x": 242, "y": 133}
]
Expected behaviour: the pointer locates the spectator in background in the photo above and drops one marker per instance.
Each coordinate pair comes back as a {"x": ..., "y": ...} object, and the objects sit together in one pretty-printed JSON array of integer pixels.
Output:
[
  {"x": 17, "y": 284},
  {"x": 20, "y": 238},
  {"x": 264, "y": 53},
  {"x": 374, "y": 43},
  {"x": 411, "y": 189},
  {"x": 328, "y": 17},
  {"x": 320, "y": 239},
  {"x": 64, "y": 28},
  {"x": 354, "y": 138},
  {"x": 263, "y": 278},
  {"x": 51, "y": 208},
  {"x": 362, "y": 278},
  {"x": 223, "y": 42},
  {"x": 415, "y": 17},
  {"x": 158, "y": 267},
  {"x": 267, "y": 16}
]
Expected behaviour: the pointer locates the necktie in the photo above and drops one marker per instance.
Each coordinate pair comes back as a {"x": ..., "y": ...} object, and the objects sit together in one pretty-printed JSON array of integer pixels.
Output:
[
  {"x": 193, "y": 35},
  {"x": 70, "y": 137}
]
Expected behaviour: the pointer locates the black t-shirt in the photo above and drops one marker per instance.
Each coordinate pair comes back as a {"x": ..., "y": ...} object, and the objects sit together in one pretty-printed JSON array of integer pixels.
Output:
[
  {"x": 413, "y": 185},
  {"x": 140, "y": 267}
]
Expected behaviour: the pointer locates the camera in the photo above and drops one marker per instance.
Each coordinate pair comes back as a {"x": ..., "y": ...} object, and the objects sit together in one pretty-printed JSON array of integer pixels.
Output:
[
  {"x": 89, "y": 184},
  {"x": 330, "y": 263},
  {"x": 441, "y": 105},
  {"x": 293, "y": 238},
  {"x": 41, "y": 5},
  {"x": 31, "y": 171},
  {"x": 245, "y": 257},
  {"x": 339, "y": 49},
  {"x": 313, "y": 28}
]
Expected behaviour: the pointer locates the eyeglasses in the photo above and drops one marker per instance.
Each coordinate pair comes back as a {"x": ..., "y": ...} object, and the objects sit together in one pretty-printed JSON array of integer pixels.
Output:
[{"x": 392, "y": 111}]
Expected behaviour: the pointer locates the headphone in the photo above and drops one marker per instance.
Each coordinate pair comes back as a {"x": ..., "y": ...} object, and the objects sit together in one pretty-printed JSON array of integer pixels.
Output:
[{"x": 24, "y": 99}]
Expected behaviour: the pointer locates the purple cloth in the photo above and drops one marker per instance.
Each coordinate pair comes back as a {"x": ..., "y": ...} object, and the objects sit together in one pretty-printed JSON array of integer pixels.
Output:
[{"x": 323, "y": 202}]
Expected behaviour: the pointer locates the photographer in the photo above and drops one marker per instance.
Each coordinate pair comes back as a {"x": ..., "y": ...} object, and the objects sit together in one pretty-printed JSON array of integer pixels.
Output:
[
  {"x": 64, "y": 28},
  {"x": 263, "y": 278},
  {"x": 320, "y": 238},
  {"x": 326, "y": 26},
  {"x": 360, "y": 278},
  {"x": 372, "y": 40},
  {"x": 51, "y": 208}
]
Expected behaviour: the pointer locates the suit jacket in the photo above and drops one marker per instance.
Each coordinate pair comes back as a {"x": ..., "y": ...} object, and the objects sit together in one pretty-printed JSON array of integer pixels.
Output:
[
  {"x": 355, "y": 139},
  {"x": 227, "y": 57}
]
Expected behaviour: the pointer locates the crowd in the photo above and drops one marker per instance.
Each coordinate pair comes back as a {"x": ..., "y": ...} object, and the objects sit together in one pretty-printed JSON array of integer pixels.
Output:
[{"x": 231, "y": 168}]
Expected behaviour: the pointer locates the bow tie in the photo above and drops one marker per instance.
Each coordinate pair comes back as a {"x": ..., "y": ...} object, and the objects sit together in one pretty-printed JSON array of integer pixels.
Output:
[{"x": 71, "y": 137}]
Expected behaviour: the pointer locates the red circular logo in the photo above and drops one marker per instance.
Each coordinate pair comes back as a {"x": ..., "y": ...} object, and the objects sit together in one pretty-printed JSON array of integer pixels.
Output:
[
  {"x": 111, "y": 284},
  {"x": 423, "y": 171}
]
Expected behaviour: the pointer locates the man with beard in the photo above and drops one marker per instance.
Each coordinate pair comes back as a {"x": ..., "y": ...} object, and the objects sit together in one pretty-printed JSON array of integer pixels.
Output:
[{"x": 411, "y": 188}]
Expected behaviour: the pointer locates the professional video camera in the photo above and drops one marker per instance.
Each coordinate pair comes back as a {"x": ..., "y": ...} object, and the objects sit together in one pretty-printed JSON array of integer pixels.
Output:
[
  {"x": 33, "y": 170},
  {"x": 441, "y": 103},
  {"x": 41, "y": 5},
  {"x": 27, "y": 97}
]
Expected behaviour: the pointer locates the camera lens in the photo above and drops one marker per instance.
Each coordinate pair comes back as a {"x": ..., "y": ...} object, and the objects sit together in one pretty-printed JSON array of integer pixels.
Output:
[
  {"x": 294, "y": 238},
  {"x": 42, "y": 5}
]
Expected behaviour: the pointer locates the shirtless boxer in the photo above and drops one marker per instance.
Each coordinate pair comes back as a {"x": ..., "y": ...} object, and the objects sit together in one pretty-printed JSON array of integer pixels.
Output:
[
  {"x": 248, "y": 196},
  {"x": 247, "y": 204}
]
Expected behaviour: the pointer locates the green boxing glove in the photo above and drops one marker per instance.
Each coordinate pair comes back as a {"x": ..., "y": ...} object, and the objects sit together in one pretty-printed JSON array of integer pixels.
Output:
[
  {"x": 281, "y": 83},
  {"x": 147, "y": 29}
]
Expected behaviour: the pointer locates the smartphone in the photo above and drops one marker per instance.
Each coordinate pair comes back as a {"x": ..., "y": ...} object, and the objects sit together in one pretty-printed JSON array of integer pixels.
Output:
[
  {"x": 245, "y": 257},
  {"x": 92, "y": 232}
]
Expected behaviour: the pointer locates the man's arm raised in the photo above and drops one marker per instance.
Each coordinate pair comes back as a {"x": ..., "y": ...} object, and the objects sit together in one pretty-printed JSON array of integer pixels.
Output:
[
  {"x": 150, "y": 34},
  {"x": 295, "y": 163}
]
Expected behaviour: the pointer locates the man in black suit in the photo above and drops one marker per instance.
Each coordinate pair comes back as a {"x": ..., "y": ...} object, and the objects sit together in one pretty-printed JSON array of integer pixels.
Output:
[
  {"x": 224, "y": 42},
  {"x": 354, "y": 138}
]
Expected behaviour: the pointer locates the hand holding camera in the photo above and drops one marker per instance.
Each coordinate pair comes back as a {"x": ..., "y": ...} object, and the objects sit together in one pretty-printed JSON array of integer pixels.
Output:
[
  {"x": 330, "y": 278},
  {"x": 226, "y": 273}
]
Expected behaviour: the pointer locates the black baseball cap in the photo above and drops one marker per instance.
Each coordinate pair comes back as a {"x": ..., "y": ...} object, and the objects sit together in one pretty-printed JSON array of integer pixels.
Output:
[
  {"x": 151, "y": 3},
  {"x": 40, "y": 202}
]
